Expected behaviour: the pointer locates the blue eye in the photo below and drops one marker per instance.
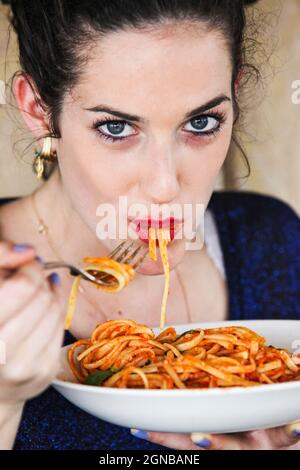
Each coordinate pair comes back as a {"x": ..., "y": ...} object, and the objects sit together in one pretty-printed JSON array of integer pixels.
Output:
[
  {"x": 203, "y": 125},
  {"x": 115, "y": 130}
]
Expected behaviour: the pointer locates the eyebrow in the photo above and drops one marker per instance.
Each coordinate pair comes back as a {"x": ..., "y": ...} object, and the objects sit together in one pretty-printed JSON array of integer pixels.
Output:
[{"x": 131, "y": 117}]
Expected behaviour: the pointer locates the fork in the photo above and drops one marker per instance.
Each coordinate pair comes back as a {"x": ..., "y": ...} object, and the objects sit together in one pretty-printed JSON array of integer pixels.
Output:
[{"x": 122, "y": 254}]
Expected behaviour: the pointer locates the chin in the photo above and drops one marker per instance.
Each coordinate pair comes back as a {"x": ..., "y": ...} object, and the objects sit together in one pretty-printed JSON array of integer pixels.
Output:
[{"x": 176, "y": 251}]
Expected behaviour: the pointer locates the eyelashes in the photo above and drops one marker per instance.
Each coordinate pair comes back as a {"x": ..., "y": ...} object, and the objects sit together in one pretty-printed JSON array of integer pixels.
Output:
[
  {"x": 203, "y": 126},
  {"x": 206, "y": 124},
  {"x": 115, "y": 127}
]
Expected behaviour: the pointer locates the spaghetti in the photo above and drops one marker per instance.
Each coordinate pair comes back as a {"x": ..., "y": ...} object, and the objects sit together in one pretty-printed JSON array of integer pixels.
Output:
[
  {"x": 118, "y": 274},
  {"x": 163, "y": 240},
  {"x": 124, "y": 354},
  {"x": 152, "y": 244}
]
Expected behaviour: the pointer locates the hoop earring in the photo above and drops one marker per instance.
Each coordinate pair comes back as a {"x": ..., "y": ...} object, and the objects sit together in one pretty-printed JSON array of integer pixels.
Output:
[{"x": 46, "y": 154}]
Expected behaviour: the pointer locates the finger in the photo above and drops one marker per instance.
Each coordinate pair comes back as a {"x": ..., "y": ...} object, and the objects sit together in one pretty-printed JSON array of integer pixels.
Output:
[
  {"x": 221, "y": 441},
  {"x": 52, "y": 354},
  {"x": 20, "y": 327},
  {"x": 44, "y": 333},
  {"x": 12, "y": 256},
  {"x": 271, "y": 439},
  {"x": 37, "y": 362},
  {"x": 54, "y": 281},
  {"x": 48, "y": 336},
  {"x": 285, "y": 436},
  {"x": 20, "y": 289},
  {"x": 43, "y": 346},
  {"x": 170, "y": 440}
]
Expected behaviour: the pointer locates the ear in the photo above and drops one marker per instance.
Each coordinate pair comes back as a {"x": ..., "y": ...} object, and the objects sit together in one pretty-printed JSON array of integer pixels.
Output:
[{"x": 31, "y": 110}]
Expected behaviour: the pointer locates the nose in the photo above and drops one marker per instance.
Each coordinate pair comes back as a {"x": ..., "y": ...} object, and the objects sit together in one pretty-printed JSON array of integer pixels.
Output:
[{"x": 160, "y": 183}]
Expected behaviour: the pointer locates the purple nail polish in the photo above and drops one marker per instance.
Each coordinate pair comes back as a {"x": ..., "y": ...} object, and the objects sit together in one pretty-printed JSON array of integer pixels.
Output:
[
  {"x": 55, "y": 279},
  {"x": 139, "y": 434},
  {"x": 21, "y": 248},
  {"x": 201, "y": 440},
  {"x": 204, "y": 443}
]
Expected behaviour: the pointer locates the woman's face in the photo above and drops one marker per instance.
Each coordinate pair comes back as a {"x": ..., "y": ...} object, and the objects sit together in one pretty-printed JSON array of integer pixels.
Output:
[{"x": 150, "y": 121}]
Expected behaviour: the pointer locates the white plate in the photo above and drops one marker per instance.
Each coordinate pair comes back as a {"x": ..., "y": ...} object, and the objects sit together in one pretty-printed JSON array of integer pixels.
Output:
[{"x": 208, "y": 410}]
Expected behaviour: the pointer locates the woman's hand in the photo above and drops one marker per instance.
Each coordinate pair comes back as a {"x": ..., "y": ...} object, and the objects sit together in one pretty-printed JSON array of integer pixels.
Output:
[
  {"x": 284, "y": 438},
  {"x": 31, "y": 328}
]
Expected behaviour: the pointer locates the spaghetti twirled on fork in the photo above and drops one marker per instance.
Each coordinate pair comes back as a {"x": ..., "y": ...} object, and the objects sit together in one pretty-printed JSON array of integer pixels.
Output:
[
  {"x": 124, "y": 354},
  {"x": 119, "y": 273}
]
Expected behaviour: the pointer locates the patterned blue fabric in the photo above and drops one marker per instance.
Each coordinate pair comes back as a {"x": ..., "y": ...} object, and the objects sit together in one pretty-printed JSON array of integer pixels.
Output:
[{"x": 260, "y": 240}]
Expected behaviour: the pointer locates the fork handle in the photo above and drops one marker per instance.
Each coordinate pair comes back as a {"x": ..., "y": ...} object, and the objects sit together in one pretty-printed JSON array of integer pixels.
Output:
[
  {"x": 74, "y": 271},
  {"x": 58, "y": 265}
]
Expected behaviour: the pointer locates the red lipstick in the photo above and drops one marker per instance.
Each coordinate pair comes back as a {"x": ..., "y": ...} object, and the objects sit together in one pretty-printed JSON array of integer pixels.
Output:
[{"x": 143, "y": 225}]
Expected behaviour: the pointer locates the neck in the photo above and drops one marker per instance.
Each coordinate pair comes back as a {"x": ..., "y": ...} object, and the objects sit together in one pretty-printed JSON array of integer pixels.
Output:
[{"x": 71, "y": 238}]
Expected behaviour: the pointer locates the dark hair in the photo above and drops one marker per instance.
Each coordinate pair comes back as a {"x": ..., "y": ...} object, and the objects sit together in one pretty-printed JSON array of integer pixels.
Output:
[{"x": 53, "y": 35}]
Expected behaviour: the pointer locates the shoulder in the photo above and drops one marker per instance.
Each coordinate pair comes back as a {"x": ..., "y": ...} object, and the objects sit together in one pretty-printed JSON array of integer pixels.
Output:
[
  {"x": 258, "y": 227},
  {"x": 260, "y": 238},
  {"x": 8, "y": 203},
  {"x": 6, "y": 200},
  {"x": 256, "y": 211}
]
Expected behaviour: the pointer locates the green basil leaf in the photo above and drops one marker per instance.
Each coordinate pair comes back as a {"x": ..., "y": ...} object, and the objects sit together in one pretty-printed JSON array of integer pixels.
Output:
[{"x": 97, "y": 378}]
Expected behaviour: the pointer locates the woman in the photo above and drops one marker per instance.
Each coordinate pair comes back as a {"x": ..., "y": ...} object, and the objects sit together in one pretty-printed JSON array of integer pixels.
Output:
[{"x": 140, "y": 99}]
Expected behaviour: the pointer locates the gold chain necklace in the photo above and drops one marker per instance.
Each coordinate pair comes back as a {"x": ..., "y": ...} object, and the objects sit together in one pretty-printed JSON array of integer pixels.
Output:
[{"x": 43, "y": 230}]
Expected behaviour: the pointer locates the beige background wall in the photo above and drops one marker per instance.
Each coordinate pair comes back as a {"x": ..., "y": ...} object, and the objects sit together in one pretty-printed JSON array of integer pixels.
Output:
[
  {"x": 16, "y": 176},
  {"x": 273, "y": 130}
]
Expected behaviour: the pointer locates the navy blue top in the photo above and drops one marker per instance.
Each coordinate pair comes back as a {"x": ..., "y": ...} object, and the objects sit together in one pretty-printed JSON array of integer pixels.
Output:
[{"x": 260, "y": 240}]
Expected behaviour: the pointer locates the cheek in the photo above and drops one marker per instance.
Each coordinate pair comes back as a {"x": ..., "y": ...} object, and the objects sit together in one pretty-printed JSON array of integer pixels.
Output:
[
  {"x": 93, "y": 175},
  {"x": 200, "y": 170},
  {"x": 208, "y": 157}
]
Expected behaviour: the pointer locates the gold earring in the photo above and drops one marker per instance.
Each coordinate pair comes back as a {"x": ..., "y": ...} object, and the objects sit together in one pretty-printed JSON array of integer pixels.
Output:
[{"x": 46, "y": 154}]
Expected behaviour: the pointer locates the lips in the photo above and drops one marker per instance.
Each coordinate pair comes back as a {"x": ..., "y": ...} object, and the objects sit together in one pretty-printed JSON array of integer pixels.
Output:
[{"x": 142, "y": 227}]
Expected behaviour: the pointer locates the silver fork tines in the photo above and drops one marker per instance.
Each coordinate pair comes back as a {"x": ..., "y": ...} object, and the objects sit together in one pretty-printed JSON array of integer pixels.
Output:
[{"x": 121, "y": 254}]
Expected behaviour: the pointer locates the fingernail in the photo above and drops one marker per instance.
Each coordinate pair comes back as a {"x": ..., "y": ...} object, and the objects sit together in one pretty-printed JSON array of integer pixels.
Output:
[
  {"x": 140, "y": 434},
  {"x": 55, "y": 279},
  {"x": 294, "y": 429},
  {"x": 20, "y": 248},
  {"x": 201, "y": 440}
]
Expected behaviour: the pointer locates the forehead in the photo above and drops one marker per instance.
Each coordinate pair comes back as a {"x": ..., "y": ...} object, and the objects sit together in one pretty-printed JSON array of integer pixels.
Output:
[{"x": 165, "y": 64}]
